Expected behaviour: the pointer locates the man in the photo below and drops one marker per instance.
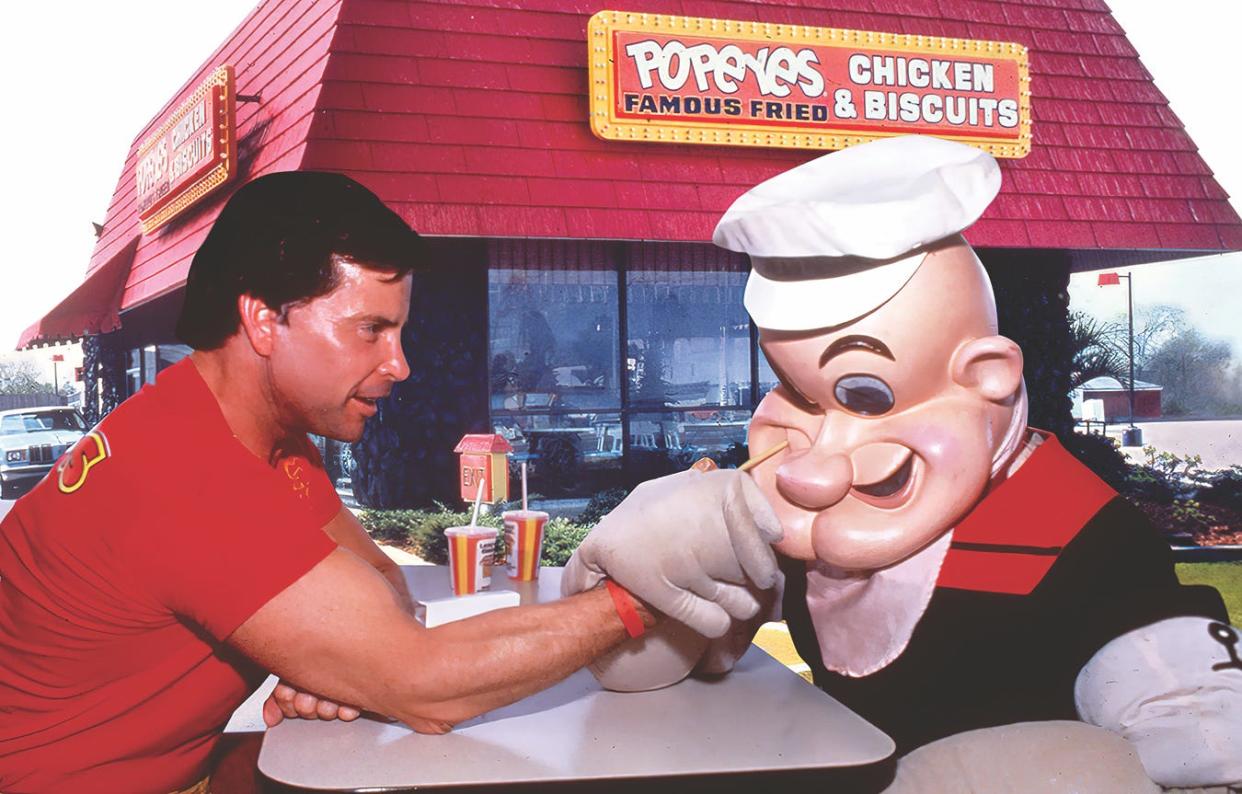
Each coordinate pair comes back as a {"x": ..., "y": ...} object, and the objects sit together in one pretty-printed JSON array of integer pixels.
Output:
[
  {"x": 947, "y": 568},
  {"x": 192, "y": 541}
]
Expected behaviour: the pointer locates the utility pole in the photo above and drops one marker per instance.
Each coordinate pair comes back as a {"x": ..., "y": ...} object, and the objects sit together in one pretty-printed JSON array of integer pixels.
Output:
[
  {"x": 1132, "y": 436},
  {"x": 56, "y": 359}
]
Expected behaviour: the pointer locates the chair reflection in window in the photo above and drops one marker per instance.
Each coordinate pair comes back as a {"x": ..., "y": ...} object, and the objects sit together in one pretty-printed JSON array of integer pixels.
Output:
[{"x": 607, "y": 441}]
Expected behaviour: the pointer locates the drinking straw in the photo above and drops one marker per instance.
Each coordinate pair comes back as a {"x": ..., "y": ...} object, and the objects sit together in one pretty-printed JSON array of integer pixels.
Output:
[
  {"x": 478, "y": 499},
  {"x": 761, "y": 457},
  {"x": 523, "y": 486}
]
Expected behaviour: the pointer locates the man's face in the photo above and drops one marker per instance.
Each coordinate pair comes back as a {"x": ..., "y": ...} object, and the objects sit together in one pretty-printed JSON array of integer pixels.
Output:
[
  {"x": 887, "y": 448},
  {"x": 335, "y": 355}
]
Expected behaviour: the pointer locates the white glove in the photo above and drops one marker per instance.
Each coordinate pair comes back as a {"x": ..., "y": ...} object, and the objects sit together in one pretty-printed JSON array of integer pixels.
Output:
[
  {"x": 671, "y": 650},
  {"x": 687, "y": 544},
  {"x": 724, "y": 652},
  {"x": 1174, "y": 689}
]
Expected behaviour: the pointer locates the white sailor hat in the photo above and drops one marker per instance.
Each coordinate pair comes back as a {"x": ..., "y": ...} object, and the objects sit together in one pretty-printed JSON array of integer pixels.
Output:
[{"x": 833, "y": 239}]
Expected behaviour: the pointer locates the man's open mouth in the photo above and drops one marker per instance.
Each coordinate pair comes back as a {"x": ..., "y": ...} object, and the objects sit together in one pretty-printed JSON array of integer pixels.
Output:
[{"x": 889, "y": 489}]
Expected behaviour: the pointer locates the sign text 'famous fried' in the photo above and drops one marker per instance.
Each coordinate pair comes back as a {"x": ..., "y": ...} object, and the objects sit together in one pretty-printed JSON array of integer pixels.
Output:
[{"x": 687, "y": 80}]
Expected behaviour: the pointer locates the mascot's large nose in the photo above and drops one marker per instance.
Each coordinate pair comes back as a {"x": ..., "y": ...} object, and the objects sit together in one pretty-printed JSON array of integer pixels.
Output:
[{"x": 815, "y": 480}]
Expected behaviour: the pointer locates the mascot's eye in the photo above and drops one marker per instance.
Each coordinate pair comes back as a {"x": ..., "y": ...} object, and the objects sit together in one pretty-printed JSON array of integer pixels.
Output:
[{"x": 864, "y": 394}]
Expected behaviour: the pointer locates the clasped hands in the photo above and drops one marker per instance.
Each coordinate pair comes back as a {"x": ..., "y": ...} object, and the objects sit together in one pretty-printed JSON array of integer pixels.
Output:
[{"x": 695, "y": 545}]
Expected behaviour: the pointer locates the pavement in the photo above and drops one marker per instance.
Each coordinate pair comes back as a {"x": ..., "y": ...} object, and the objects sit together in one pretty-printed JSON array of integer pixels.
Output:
[{"x": 1217, "y": 441}]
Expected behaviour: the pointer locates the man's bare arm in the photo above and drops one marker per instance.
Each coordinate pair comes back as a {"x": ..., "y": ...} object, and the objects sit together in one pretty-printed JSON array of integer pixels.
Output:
[
  {"x": 348, "y": 533},
  {"x": 340, "y": 631}
]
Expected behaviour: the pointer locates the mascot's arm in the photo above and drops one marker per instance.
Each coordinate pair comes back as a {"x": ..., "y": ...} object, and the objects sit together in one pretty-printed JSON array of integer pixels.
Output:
[{"x": 1174, "y": 690}]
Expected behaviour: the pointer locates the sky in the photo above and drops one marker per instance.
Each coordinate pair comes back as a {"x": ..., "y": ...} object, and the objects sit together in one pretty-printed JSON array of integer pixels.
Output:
[
  {"x": 1188, "y": 55},
  {"x": 96, "y": 82}
]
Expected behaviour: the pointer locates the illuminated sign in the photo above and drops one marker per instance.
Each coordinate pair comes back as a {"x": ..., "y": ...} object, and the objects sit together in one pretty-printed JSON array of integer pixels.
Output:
[
  {"x": 192, "y": 152},
  {"x": 678, "y": 79}
]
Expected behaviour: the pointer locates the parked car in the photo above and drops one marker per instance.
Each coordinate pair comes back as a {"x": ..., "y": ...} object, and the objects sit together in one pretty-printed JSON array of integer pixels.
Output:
[{"x": 31, "y": 441}]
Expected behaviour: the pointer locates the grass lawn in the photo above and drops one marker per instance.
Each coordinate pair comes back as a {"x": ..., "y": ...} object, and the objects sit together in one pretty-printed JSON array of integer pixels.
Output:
[{"x": 1224, "y": 576}]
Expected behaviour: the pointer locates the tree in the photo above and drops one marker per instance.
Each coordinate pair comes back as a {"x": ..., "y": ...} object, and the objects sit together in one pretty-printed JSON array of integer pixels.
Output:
[
  {"x": 1153, "y": 327},
  {"x": 22, "y": 377},
  {"x": 1198, "y": 374},
  {"x": 1093, "y": 356}
]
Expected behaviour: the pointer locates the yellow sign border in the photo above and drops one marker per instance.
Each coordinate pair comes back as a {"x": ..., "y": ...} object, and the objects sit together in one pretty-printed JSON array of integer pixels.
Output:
[
  {"x": 603, "y": 100},
  {"x": 222, "y": 171}
]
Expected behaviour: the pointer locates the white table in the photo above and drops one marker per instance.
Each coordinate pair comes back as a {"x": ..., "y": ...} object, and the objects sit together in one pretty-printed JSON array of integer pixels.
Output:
[{"x": 758, "y": 721}]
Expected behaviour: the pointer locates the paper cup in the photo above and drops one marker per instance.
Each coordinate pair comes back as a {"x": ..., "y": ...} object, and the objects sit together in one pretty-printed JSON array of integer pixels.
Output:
[
  {"x": 471, "y": 553},
  {"x": 523, "y": 543}
]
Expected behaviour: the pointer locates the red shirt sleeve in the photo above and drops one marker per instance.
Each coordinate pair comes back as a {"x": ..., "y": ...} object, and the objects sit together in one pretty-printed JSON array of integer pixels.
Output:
[{"x": 239, "y": 535}]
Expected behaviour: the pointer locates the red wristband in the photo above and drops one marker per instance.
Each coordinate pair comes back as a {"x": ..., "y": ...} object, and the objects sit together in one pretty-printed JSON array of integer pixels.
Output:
[{"x": 626, "y": 610}]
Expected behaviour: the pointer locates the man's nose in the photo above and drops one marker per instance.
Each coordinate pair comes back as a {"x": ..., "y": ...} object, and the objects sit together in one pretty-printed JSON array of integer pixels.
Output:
[
  {"x": 396, "y": 366},
  {"x": 816, "y": 479}
]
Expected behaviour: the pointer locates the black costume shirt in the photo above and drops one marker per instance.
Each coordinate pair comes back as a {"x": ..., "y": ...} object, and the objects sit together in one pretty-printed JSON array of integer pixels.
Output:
[{"x": 1044, "y": 571}]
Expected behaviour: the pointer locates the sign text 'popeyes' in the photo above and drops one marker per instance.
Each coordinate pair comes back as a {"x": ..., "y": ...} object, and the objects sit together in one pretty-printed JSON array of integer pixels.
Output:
[
  {"x": 191, "y": 153},
  {"x": 690, "y": 80}
]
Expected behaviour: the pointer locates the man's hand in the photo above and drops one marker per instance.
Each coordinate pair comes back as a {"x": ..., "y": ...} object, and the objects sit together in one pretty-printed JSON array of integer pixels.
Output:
[
  {"x": 285, "y": 701},
  {"x": 687, "y": 544}
]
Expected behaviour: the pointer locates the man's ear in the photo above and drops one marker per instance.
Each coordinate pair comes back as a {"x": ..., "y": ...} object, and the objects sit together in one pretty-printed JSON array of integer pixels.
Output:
[
  {"x": 990, "y": 365},
  {"x": 258, "y": 321}
]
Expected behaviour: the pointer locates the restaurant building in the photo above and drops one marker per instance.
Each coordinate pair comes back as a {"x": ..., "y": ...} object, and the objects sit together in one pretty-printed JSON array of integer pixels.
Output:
[{"x": 575, "y": 304}]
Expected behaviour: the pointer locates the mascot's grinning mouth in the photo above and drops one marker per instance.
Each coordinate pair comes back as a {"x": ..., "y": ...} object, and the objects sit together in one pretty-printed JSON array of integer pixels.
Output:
[{"x": 890, "y": 484}]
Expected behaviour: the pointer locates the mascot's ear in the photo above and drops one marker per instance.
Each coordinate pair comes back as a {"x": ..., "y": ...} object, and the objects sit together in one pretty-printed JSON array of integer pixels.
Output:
[{"x": 991, "y": 365}]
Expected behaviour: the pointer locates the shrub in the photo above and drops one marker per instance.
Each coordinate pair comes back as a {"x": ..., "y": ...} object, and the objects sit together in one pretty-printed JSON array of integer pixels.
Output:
[
  {"x": 1223, "y": 488},
  {"x": 423, "y": 531},
  {"x": 560, "y": 538},
  {"x": 393, "y": 526},
  {"x": 1100, "y": 454},
  {"x": 601, "y": 504}
]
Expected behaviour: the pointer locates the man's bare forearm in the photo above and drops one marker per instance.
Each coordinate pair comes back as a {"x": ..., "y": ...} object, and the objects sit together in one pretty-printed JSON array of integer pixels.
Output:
[
  {"x": 497, "y": 658},
  {"x": 341, "y": 632}
]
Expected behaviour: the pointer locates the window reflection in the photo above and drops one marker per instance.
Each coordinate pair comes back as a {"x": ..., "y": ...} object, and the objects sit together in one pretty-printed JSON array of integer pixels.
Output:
[
  {"x": 565, "y": 453},
  {"x": 553, "y": 337},
  {"x": 560, "y": 341},
  {"x": 688, "y": 341},
  {"x": 662, "y": 442},
  {"x": 767, "y": 378}
]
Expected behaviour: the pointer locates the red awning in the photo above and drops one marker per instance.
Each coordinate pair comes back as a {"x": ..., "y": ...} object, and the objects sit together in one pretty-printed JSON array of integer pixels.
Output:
[{"x": 92, "y": 308}]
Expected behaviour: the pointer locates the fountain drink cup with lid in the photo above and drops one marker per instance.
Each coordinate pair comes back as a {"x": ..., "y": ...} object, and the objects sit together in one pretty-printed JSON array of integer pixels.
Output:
[{"x": 524, "y": 543}]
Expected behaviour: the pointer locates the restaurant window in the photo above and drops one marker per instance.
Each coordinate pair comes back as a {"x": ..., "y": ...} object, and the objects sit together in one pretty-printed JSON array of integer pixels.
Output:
[
  {"x": 167, "y": 355},
  {"x": 688, "y": 356},
  {"x": 614, "y": 363},
  {"x": 133, "y": 371},
  {"x": 767, "y": 377},
  {"x": 554, "y": 360},
  {"x": 142, "y": 364}
]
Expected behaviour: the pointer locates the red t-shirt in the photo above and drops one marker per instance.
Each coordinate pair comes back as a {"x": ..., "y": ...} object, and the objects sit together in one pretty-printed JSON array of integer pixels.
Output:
[{"x": 121, "y": 574}]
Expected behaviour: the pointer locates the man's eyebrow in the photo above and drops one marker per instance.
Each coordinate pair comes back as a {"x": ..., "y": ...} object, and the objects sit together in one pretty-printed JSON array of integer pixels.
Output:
[
  {"x": 376, "y": 319},
  {"x": 856, "y": 342}
]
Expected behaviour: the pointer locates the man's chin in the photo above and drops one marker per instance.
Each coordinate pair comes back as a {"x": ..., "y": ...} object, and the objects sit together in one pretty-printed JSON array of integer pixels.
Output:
[{"x": 345, "y": 432}]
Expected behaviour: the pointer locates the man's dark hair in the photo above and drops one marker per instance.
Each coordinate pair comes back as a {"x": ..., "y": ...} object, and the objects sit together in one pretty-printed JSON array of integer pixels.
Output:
[{"x": 279, "y": 238}]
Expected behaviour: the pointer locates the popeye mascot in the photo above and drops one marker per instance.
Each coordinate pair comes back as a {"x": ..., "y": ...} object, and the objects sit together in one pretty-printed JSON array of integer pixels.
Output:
[{"x": 950, "y": 573}]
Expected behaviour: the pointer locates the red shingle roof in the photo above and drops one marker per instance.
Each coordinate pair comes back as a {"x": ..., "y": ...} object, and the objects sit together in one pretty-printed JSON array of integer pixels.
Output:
[
  {"x": 471, "y": 119},
  {"x": 278, "y": 53}
]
